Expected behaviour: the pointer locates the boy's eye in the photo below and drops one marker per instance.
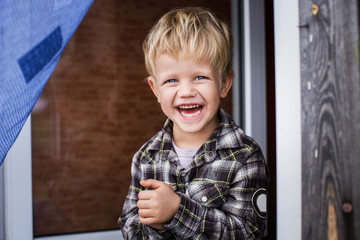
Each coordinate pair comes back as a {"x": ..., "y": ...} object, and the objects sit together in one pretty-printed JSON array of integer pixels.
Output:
[
  {"x": 170, "y": 81},
  {"x": 200, "y": 78}
]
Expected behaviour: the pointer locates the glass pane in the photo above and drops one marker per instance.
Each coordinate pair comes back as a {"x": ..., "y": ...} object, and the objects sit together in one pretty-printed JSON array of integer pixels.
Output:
[{"x": 93, "y": 115}]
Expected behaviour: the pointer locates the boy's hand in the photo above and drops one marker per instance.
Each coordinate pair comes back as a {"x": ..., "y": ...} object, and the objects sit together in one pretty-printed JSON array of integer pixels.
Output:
[{"x": 157, "y": 206}]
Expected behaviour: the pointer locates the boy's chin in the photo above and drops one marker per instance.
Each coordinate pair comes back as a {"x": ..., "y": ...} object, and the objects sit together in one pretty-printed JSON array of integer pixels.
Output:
[{"x": 194, "y": 127}]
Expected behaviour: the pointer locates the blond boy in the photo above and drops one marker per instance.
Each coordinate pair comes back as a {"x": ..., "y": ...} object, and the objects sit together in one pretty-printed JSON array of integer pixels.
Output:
[{"x": 200, "y": 177}]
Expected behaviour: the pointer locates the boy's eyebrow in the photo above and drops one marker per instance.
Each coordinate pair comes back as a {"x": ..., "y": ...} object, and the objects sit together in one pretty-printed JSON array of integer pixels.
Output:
[
  {"x": 165, "y": 75},
  {"x": 203, "y": 72}
]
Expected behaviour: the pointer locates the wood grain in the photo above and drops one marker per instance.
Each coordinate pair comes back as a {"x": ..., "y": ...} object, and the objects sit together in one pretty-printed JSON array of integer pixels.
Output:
[{"x": 330, "y": 95}]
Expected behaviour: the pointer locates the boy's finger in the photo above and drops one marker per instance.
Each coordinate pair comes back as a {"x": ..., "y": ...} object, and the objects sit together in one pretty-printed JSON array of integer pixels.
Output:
[
  {"x": 143, "y": 204},
  {"x": 145, "y": 213},
  {"x": 145, "y": 195},
  {"x": 151, "y": 183},
  {"x": 146, "y": 221}
]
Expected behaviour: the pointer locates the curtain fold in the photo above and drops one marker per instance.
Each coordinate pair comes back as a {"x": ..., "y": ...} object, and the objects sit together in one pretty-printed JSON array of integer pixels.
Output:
[{"x": 33, "y": 35}]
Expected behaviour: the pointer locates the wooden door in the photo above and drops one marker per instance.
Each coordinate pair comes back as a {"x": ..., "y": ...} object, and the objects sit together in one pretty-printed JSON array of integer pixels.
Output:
[{"x": 330, "y": 85}]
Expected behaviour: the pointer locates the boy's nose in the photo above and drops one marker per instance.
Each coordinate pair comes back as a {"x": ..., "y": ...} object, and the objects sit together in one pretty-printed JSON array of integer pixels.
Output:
[{"x": 186, "y": 90}]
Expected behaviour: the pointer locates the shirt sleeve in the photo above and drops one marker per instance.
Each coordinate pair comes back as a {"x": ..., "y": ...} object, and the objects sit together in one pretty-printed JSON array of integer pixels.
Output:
[
  {"x": 129, "y": 220},
  {"x": 238, "y": 217}
]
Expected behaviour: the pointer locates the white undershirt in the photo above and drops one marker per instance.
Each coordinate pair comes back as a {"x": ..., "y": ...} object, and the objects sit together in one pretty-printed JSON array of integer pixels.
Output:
[{"x": 185, "y": 155}]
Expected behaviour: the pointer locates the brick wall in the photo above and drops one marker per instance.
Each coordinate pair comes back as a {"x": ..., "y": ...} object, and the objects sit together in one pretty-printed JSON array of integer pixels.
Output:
[{"x": 94, "y": 114}]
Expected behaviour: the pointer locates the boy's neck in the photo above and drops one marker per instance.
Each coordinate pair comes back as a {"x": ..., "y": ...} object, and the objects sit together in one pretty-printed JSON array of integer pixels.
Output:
[
  {"x": 188, "y": 140},
  {"x": 184, "y": 143}
]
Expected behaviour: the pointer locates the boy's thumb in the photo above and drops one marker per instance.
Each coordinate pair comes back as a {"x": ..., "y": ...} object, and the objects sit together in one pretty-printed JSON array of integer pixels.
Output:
[{"x": 151, "y": 183}]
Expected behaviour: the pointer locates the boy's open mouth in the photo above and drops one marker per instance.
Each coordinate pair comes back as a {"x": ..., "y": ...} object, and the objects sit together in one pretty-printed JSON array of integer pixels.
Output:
[{"x": 190, "y": 110}]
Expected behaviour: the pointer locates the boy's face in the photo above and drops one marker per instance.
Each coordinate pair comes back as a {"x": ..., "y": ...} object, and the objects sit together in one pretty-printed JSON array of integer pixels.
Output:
[{"x": 189, "y": 94}]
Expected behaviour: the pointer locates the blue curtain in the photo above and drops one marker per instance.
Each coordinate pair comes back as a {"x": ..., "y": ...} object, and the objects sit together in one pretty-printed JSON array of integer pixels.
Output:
[{"x": 33, "y": 34}]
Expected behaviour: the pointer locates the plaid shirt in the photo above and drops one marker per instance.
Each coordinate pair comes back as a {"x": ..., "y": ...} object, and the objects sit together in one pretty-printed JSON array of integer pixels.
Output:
[{"x": 217, "y": 190}]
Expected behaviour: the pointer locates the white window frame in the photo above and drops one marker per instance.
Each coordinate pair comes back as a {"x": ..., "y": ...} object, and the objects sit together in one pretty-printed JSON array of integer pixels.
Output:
[
  {"x": 18, "y": 196},
  {"x": 252, "y": 80},
  {"x": 288, "y": 102},
  {"x": 255, "y": 71},
  {"x": 18, "y": 188},
  {"x": 288, "y": 119}
]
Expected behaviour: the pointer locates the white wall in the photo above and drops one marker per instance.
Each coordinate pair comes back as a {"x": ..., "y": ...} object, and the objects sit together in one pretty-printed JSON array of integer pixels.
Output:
[{"x": 288, "y": 119}]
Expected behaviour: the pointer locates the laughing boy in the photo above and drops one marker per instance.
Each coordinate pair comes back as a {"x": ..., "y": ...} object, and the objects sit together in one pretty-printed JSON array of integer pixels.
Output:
[{"x": 200, "y": 177}]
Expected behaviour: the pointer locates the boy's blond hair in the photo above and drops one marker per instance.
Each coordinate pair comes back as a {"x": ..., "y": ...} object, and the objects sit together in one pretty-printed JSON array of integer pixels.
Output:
[{"x": 193, "y": 32}]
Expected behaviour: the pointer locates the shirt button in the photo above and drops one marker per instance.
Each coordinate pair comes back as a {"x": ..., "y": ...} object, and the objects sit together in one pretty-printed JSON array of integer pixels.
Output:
[
  {"x": 210, "y": 153},
  {"x": 204, "y": 199}
]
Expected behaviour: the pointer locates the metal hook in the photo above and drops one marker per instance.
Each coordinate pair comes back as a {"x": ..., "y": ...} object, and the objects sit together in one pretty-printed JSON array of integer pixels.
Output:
[
  {"x": 314, "y": 9},
  {"x": 303, "y": 25}
]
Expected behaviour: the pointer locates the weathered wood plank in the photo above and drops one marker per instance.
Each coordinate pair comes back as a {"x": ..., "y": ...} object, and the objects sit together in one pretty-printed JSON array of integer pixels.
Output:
[{"x": 330, "y": 83}]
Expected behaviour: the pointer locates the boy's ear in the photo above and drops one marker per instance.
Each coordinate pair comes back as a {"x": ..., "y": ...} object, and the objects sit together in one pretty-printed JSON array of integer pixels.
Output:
[
  {"x": 152, "y": 83},
  {"x": 226, "y": 84}
]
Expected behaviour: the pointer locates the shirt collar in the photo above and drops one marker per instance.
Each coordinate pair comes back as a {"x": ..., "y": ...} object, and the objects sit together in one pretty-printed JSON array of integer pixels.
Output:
[{"x": 227, "y": 134}]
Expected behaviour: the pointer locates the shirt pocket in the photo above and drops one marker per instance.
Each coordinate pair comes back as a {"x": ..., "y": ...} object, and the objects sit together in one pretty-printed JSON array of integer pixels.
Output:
[{"x": 208, "y": 194}]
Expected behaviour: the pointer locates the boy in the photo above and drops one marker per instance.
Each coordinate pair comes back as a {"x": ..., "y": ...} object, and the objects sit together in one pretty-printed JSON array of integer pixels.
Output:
[{"x": 200, "y": 177}]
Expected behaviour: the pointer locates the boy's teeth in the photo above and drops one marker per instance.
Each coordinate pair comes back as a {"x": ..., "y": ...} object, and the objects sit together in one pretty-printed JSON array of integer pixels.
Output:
[
  {"x": 190, "y": 110},
  {"x": 191, "y": 114},
  {"x": 189, "y": 106}
]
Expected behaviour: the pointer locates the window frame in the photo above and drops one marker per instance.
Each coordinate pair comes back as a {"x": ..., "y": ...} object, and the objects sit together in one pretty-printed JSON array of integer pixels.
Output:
[{"x": 18, "y": 202}]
